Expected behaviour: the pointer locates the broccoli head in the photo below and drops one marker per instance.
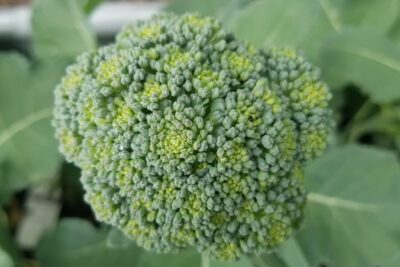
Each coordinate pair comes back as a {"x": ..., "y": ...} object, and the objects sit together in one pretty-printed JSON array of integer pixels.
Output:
[{"x": 187, "y": 136}]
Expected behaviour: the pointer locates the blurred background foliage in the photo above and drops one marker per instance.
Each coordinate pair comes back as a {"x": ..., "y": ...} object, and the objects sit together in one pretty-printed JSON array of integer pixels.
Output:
[{"x": 353, "y": 213}]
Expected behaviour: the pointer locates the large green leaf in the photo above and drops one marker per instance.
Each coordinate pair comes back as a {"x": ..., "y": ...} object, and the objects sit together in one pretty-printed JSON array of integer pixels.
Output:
[
  {"x": 60, "y": 29},
  {"x": 288, "y": 254},
  {"x": 116, "y": 239},
  {"x": 267, "y": 260},
  {"x": 374, "y": 14},
  {"x": 27, "y": 142},
  {"x": 291, "y": 254},
  {"x": 395, "y": 31},
  {"x": 306, "y": 23},
  {"x": 242, "y": 262},
  {"x": 275, "y": 21},
  {"x": 77, "y": 243},
  {"x": 189, "y": 257},
  {"x": 396, "y": 35},
  {"x": 365, "y": 58},
  {"x": 353, "y": 189},
  {"x": 326, "y": 21},
  {"x": 299, "y": 23}
]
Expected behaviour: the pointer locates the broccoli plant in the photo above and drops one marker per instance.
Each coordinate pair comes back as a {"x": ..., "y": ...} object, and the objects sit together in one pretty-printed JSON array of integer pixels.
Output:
[
  {"x": 199, "y": 136},
  {"x": 188, "y": 136}
]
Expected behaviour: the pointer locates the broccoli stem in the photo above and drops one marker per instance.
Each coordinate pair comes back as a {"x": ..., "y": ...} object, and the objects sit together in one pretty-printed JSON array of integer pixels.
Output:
[
  {"x": 205, "y": 260},
  {"x": 352, "y": 127}
]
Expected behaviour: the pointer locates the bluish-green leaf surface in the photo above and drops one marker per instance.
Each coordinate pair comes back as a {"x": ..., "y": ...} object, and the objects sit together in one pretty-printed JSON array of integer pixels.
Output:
[
  {"x": 365, "y": 58},
  {"x": 353, "y": 189},
  {"x": 60, "y": 29},
  {"x": 27, "y": 145}
]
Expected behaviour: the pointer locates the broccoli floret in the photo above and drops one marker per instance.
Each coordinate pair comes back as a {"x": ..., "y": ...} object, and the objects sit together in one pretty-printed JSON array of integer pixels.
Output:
[{"x": 187, "y": 136}]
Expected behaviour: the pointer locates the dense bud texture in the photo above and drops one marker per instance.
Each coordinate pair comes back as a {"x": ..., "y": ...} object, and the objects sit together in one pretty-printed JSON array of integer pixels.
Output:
[{"x": 187, "y": 136}]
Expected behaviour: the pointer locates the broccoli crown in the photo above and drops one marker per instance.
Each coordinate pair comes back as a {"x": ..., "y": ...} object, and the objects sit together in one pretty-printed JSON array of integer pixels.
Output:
[{"x": 187, "y": 136}]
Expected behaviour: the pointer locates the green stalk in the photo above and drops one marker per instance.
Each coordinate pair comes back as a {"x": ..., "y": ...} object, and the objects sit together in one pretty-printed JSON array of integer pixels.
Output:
[
  {"x": 258, "y": 261},
  {"x": 352, "y": 129},
  {"x": 205, "y": 260}
]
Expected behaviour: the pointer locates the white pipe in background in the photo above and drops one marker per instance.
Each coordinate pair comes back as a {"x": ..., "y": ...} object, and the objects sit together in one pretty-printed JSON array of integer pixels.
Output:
[
  {"x": 106, "y": 20},
  {"x": 15, "y": 22}
]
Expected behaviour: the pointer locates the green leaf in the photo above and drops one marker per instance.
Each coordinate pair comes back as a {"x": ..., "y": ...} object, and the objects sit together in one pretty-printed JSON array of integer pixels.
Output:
[
  {"x": 291, "y": 254},
  {"x": 221, "y": 9},
  {"x": 77, "y": 243},
  {"x": 5, "y": 260},
  {"x": 353, "y": 189},
  {"x": 27, "y": 142},
  {"x": 366, "y": 59},
  {"x": 374, "y": 14},
  {"x": 117, "y": 239},
  {"x": 60, "y": 29},
  {"x": 89, "y": 5},
  {"x": 396, "y": 34},
  {"x": 242, "y": 262},
  {"x": 395, "y": 31},
  {"x": 288, "y": 254},
  {"x": 299, "y": 23},
  {"x": 326, "y": 21},
  {"x": 189, "y": 257},
  {"x": 268, "y": 259},
  {"x": 304, "y": 24},
  {"x": 275, "y": 21}
]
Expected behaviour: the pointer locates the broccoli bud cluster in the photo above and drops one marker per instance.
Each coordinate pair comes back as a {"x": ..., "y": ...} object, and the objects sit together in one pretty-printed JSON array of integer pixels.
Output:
[{"x": 187, "y": 136}]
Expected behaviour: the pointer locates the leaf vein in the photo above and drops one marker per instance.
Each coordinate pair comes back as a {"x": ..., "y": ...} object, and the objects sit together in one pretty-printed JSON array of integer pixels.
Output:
[
  {"x": 78, "y": 22},
  {"x": 368, "y": 54},
  {"x": 330, "y": 16},
  {"x": 23, "y": 123},
  {"x": 341, "y": 203}
]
